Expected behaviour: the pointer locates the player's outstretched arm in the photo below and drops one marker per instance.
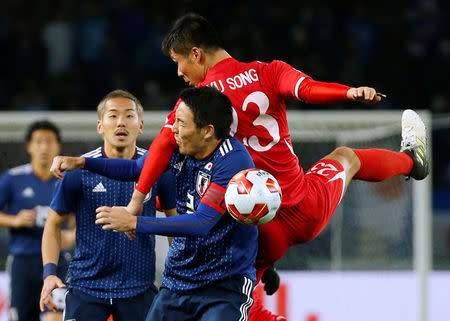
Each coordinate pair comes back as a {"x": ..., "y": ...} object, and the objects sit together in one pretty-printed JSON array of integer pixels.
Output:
[
  {"x": 65, "y": 163},
  {"x": 116, "y": 168},
  {"x": 198, "y": 223},
  {"x": 169, "y": 213},
  {"x": 364, "y": 94},
  {"x": 120, "y": 169},
  {"x": 51, "y": 246}
]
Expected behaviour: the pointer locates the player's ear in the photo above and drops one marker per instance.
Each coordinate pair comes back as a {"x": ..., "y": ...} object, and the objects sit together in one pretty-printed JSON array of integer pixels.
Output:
[
  {"x": 141, "y": 126},
  {"x": 99, "y": 127},
  {"x": 196, "y": 54},
  {"x": 209, "y": 131}
]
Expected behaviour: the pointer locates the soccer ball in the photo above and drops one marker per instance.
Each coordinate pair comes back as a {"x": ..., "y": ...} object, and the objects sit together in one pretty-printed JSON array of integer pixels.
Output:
[{"x": 253, "y": 197}]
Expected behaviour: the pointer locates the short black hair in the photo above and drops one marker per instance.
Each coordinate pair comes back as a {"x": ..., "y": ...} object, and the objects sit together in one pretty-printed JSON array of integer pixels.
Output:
[
  {"x": 119, "y": 93},
  {"x": 210, "y": 107},
  {"x": 42, "y": 124},
  {"x": 191, "y": 30}
]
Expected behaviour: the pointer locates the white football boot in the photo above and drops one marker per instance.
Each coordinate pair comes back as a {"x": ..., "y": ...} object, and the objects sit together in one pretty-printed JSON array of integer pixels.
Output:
[{"x": 414, "y": 143}]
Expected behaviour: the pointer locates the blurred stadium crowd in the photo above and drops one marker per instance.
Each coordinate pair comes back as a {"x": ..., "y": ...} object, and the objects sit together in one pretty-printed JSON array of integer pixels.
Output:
[{"x": 64, "y": 55}]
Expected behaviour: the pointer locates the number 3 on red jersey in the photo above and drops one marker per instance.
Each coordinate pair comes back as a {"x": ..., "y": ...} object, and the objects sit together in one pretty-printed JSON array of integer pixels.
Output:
[{"x": 261, "y": 100}]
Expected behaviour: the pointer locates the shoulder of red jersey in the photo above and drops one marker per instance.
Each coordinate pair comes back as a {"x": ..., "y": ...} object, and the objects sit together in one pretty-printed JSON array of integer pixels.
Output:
[
  {"x": 170, "y": 118},
  {"x": 276, "y": 76},
  {"x": 284, "y": 77}
]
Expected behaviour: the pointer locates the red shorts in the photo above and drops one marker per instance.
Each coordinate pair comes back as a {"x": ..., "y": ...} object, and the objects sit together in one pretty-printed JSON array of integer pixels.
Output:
[{"x": 324, "y": 183}]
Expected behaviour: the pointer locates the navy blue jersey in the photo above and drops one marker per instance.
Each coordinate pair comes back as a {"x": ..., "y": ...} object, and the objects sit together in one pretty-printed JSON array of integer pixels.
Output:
[
  {"x": 106, "y": 263},
  {"x": 210, "y": 245},
  {"x": 229, "y": 248},
  {"x": 21, "y": 189}
]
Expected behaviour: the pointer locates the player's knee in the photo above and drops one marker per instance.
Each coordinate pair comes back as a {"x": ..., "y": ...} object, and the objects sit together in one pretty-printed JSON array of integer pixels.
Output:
[
  {"x": 344, "y": 151},
  {"x": 347, "y": 157}
]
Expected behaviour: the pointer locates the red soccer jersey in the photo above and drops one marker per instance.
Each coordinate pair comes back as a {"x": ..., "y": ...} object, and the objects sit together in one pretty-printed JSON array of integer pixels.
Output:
[{"x": 257, "y": 91}]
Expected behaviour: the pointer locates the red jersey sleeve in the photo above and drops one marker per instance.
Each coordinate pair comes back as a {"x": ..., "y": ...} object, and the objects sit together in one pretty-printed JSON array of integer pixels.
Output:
[
  {"x": 170, "y": 119},
  {"x": 159, "y": 155},
  {"x": 298, "y": 85}
]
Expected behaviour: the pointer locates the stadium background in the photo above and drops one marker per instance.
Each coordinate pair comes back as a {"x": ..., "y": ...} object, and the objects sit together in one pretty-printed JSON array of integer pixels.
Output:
[{"x": 65, "y": 55}]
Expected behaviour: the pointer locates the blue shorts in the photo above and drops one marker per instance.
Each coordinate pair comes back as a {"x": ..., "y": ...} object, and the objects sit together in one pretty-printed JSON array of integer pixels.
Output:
[
  {"x": 26, "y": 285},
  {"x": 225, "y": 300},
  {"x": 82, "y": 306}
]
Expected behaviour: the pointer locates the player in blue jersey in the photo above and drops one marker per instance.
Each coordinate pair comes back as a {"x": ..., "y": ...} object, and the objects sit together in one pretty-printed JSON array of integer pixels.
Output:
[
  {"x": 210, "y": 268},
  {"x": 25, "y": 194},
  {"x": 109, "y": 274}
]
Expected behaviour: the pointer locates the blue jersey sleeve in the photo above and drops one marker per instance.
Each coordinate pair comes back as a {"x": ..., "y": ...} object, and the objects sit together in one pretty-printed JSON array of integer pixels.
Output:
[
  {"x": 198, "y": 223},
  {"x": 230, "y": 166},
  {"x": 210, "y": 208},
  {"x": 67, "y": 193},
  {"x": 120, "y": 169},
  {"x": 5, "y": 190},
  {"x": 166, "y": 190},
  {"x": 221, "y": 175}
]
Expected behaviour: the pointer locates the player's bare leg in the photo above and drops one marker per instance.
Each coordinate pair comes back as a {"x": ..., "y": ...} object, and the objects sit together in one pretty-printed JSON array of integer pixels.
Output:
[
  {"x": 349, "y": 160},
  {"x": 364, "y": 164}
]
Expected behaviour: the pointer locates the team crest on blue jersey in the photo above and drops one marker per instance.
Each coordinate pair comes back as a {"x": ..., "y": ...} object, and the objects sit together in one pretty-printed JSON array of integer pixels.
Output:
[{"x": 203, "y": 181}]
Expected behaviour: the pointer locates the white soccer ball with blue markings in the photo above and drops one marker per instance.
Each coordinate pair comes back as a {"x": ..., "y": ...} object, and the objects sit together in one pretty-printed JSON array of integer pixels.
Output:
[{"x": 253, "y": 197}]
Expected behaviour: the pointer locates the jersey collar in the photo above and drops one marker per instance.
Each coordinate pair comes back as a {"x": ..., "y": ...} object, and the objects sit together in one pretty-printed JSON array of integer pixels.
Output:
[
  {"x": 218, "y": 68},
  {"x": 106, "y": 156}
]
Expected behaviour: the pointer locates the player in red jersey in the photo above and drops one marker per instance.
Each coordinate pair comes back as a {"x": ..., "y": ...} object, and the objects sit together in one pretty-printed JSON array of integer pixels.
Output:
[{"x": 257, "y": 91}]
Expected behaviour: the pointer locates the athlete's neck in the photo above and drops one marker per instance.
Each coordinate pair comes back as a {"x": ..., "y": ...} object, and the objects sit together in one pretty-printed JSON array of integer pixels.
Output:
[
  {"x": 214, "y": 58},
  {"x": 41, "y": 170},
  {"x": 126, "y": 152},
  {"x": 208, "y": 149}
]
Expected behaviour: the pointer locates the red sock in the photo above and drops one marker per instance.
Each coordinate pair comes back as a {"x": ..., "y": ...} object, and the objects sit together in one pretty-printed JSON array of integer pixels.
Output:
[{"x": 381, "y": 164}]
